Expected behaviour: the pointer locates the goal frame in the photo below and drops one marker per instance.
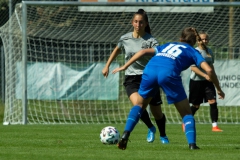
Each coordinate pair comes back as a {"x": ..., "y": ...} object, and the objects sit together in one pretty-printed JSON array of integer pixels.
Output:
[{"x": 25, "y": 4}]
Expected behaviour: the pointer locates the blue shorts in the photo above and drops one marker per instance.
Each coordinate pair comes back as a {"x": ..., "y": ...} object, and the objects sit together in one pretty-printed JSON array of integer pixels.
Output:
[
  {"x": 132, "y": 84},
  {"x": 155, "y": 77}
]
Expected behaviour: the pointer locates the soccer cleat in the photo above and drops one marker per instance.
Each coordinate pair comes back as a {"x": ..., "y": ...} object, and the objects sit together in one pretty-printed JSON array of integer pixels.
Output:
[
  {"x": 193, "y": 146},
  {"x": 151, "y": 134},
  {"x": 183, "y": 127},
  {"x": 122, "y": 144},
  {"x": 216, "y": 129},
  {"x": 164, "y": 140}
]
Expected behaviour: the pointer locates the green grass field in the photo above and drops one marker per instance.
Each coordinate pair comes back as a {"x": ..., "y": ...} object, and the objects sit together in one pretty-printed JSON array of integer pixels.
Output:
[
  {"x": 70, "y": 142},
  {"x": 81, "y": 142}
]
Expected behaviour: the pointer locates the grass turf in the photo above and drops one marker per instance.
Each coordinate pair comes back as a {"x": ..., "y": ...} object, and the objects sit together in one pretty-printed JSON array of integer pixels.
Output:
[{"x": 70, "y": 142}]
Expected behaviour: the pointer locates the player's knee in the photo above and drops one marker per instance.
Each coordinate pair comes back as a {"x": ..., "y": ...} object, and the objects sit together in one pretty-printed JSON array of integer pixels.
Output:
[
  {"x": 212, "y": 101},
  {"x": 197, "y": 106},
  {"x": 213, "y": 106}
]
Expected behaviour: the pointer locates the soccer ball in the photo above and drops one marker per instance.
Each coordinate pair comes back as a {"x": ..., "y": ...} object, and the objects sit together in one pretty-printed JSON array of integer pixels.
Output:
[{"x": 109, "y": 135}]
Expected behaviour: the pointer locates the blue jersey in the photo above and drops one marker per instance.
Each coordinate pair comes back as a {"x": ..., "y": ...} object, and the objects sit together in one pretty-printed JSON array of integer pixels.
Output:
[
  {"x": 164, "y": 70},
  {"x": 179, "y": 56}
]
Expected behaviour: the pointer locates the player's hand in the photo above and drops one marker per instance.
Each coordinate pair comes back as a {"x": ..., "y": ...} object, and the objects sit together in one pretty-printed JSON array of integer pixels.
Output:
[
  {"x": 119, "y": 69},
  {"x": 105, "y": 72},
  {"x": 221, "y": 94}
]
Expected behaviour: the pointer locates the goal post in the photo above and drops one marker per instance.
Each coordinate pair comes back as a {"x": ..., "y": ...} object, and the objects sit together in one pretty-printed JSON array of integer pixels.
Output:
[{"x": 55, "y": 52}]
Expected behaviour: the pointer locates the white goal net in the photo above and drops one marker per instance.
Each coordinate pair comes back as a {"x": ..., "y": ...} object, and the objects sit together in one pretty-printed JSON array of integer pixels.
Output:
[{"x": 58, "y": 79}]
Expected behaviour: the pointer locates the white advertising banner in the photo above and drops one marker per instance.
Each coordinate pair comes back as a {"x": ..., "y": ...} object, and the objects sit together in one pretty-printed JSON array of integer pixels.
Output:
[
  {"x": 228, "y": 72},
  {"x": 83, "y": 81},
  {"x": 158, "y": 8}
]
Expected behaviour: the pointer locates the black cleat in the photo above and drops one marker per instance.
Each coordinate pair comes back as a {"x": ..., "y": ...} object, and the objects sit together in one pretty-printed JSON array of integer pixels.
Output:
[
  {"x": 193, "y": 146},
  {"x": 122, "y": 144}
]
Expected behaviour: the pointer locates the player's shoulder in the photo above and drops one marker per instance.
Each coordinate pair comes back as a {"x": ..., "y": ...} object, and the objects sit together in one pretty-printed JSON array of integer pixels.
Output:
[
  {"x": 159, "y": 48},
  {"x": 126, "y": 36},
  {"x": 199, "y": 49},
  {"x": 202, "y": 51},
  {"x": 188, "y": 49},
  {"x": 165, "y": 45},
  {"x": 210, "y": 51},
  {"x": 149, "y": 37}
]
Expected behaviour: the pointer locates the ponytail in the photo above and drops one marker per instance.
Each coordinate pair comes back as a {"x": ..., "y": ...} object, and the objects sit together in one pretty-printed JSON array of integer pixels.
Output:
[{"x": 200, "y": 40}]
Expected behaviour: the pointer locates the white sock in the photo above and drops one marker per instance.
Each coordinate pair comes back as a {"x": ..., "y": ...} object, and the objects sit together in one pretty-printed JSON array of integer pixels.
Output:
[{"x": 214, "y": 124}]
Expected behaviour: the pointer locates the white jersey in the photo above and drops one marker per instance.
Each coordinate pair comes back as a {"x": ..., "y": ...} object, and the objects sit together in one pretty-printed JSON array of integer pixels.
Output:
[
  {"x": 132, "y": 45},
  {"x": 208, "y": 59}
]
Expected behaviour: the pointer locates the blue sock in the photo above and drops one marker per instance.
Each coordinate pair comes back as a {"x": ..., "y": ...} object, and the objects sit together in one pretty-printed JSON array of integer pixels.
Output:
[
  {"x": 190, "y": 130},
  {"x": 133, "y": 118}
]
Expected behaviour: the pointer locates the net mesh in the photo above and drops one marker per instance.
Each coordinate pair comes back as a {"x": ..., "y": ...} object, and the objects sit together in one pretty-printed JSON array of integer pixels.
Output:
[{"x": 63, "y": 34}]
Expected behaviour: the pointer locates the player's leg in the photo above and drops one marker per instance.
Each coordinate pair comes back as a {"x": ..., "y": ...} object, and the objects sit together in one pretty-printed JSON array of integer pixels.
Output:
[
  {"x": 211, "y": 97},
  {"x": 196, "y": 94},
  {"x": 146, "y": 92},
  {"x": 194, "y": 108},
  {"x": 132, "y": 84},
  {"x": 175, "y": 93},
  {"x": 183, "y": 108},
  {"x": 133, "y": 118},
  {"x": 160, "y": 119},
  {"x": 144, "y": 116},
  {"x": 161, "y": 123},
  {"x": 214, "y": 116}
]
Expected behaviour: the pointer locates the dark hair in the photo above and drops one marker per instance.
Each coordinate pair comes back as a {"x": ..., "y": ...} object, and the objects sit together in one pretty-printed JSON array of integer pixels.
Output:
[
  {"x": 144, "y": 14},
  {"x": 189, "y": 35}
]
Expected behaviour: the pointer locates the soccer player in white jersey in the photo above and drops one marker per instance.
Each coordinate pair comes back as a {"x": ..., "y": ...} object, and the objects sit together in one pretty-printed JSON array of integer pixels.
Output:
[
  {"x": 163, "y": 70},
  {"x": 131, "y": 43},
  {"x": 201, "y": 89}
]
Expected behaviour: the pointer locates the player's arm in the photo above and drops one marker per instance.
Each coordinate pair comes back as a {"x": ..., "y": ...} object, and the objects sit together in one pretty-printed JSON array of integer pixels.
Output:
[
  {"x": 211, "y": 73},
  {"x": 199, "y": 72},
  {"x": 213, "y": 70},
  {"x": 113, "y": 55},
  {"x": 149, "y": 51}
]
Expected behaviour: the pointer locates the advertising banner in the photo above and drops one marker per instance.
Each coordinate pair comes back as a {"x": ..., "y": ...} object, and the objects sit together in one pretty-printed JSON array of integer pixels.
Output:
[
  {"x": 159, "y": 8},
  {"x": 51, "y": 81},
  {"x": 229, "y": 78}
]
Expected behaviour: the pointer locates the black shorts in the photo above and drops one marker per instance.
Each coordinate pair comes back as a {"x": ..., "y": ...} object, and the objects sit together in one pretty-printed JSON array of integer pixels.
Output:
[
  {"x": 201, "y": 91},
  {"x": 132, "y": 84}
]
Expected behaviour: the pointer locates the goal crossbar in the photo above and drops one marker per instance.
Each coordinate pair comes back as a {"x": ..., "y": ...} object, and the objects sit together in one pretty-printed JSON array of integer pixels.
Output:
[{"x": 142, "y": 4}]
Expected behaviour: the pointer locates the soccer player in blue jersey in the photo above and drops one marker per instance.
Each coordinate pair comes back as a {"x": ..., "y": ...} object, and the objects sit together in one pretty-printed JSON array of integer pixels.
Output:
[
  {"x": 131, "y": 43},
  {"x": 164, "y": 70}
]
